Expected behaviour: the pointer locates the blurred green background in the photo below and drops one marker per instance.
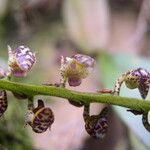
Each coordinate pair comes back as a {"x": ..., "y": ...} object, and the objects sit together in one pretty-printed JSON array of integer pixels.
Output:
[{"x": 114, "y": 32}]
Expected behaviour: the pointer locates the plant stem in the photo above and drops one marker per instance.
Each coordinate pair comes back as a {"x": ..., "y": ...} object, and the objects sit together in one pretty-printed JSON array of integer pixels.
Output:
[{"x": 33, "y": 90}]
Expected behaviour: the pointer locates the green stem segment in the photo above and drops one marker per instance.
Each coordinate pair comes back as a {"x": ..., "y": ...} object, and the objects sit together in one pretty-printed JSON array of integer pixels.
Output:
[{"x": 33, "y": 90}]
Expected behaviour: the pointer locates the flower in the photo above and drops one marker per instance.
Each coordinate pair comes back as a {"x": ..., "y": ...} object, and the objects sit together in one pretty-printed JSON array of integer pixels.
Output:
[
  {"x": 136, "y": 78},
  {"x": 96, "y": 125},
  {"x": 20, "y": 61},
  {"x": 40, "y": 118},
  {"x": 76, "y": 68}
]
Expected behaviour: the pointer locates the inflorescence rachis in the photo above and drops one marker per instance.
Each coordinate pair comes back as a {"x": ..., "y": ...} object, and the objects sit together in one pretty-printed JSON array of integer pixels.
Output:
[{"x": 73, "y": 70}]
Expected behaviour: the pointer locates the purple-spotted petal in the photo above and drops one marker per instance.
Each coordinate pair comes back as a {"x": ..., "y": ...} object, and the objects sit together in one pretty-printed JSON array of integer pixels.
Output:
[
  {"x": 97, "y": 126},
  {"x": 40, "y": 118},
  {"x": 25, "y": 58},
  {"x": 21, "y": 60},
  {"x": 84, "y": 59},
  {"x": 43, "y": 120},
  {"x": 143, "y": 89}
]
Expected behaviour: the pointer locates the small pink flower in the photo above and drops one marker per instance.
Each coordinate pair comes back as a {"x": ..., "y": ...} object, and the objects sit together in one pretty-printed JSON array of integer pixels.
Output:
[
  {"x": 76, "y": 68},
  {"x": 20, "y": 60}
]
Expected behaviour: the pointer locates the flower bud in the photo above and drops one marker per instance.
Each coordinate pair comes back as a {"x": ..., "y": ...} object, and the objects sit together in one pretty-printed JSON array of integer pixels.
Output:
[
  {"x": 20, "y": 61},
  {"x": 76, "y": 68}
]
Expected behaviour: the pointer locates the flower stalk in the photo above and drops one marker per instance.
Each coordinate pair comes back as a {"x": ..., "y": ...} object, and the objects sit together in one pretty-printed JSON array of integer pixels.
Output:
[{"x": 33, "y": 90}]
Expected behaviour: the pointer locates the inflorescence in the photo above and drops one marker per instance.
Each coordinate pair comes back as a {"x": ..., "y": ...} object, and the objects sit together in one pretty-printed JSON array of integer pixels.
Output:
[{"x": 73, "y": 70}]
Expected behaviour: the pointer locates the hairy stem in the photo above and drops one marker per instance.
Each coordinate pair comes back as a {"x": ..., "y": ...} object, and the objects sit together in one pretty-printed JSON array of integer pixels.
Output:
[{"x": 33, "y": 90}]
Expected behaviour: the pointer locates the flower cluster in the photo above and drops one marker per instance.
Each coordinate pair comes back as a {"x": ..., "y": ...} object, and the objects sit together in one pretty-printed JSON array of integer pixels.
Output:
[
  {"x": 73, "y": 69},
  {"x": 21, "y": 61},
  {"x": 136, "y": 78}
]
